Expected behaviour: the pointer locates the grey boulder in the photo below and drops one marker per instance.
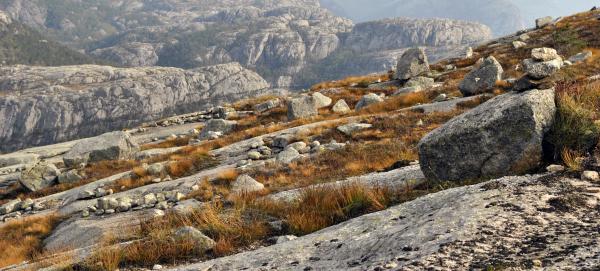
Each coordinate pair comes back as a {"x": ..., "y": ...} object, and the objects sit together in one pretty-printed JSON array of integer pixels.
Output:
[
  {"x": 268, "y": 105},
  {"x": 201, "y": 242},
  {"x": 581, "y": 57},
  {"x": 10, "y": 206},
  {"x": 541, "y": 69},
  {"x": 351, "y": 128},
  {"x": 500, "y": 137},
  {"x": 246, "y": 184},
  {"x": 420, "y": 82},
  {"x": 412, "y": 63},
  {"x": 341, "y": 107},
  {"x": 544, "y": 21},
  {"x": 367, "y": 100},
  {"x": 482, "y": 78},
  {"x": 217, "y": 126},
  {"x": 302, "y": 107},
  {"x": 70, "y": 176},
  {"x": 287, "y": 156},
  {"x": 18, "y": 158},
  {"x": 321, "y": 100},
  {"x": 109, "y": 146},
  {"x": 39, "y": 176}
]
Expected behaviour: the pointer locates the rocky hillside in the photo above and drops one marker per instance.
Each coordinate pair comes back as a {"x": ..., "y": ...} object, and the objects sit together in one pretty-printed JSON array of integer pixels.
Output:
[
  {"x": 20, "y": 44},
  {"x": 45, "y": 105},
  {"x": 282, "y": 40},
  {"x": 488, "y": 160}
]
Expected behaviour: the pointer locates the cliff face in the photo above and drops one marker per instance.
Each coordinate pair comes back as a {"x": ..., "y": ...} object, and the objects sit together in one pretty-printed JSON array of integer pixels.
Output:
[{"x": 43, "y": 105}]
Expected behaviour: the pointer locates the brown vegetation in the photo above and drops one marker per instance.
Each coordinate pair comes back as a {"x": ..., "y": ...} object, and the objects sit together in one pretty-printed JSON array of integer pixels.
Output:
[{"x": 21, "y": 239}]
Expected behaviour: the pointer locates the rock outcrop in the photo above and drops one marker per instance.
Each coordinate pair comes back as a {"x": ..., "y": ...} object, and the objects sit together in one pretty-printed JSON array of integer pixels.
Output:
[
  {"x": 412, "y": 63},
  {"x": 525, "y": 221},
  {"x": 500, "y": 137},
  {"x": 44, "y": 105},
  {"x": 109, "y": 146}
]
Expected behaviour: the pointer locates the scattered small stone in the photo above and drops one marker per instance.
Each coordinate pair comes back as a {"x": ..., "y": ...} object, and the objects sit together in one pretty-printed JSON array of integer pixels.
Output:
[
  {"x": 321, "y": 100},
  {"x": 288, "y": 155},
  {"x": 518, "y": 44},
  {"x": 297, "y": 145},
  {"x": 85, "y": 213},
  {"x": 202, "y": 242},
  {"x": 157, "y": 267},
  {"x": 420, "y": 123},
  {"x": 163, "y": 205}
]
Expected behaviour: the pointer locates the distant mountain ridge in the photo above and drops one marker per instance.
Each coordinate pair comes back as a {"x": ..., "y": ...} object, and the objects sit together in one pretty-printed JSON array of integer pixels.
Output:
[{"x": 20, "y": 44}]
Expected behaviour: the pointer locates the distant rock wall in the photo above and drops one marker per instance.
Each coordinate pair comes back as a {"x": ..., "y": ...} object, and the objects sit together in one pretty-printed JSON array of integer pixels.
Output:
[{"x": 44, "y": 105}]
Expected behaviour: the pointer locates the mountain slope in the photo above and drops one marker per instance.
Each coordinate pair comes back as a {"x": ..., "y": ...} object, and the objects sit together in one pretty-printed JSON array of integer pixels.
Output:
[{"x": 20, "y": 44}]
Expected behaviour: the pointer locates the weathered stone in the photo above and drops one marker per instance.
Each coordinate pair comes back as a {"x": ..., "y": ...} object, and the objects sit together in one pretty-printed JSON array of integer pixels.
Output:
[
  {"x": 155, "y": 169},
  {"x": 18, "y": 158},
  {"x": 544, "y": 54},
  {"x": 217, "y": 126},
  {"x": 288, "y": 155},
  {"x": 517, "y": 44},
  {"x": 246, "y": 184},
  {"x": 321, "y": 100},
  {"x": 411, "y": 64},
  {"x": 407, "y": 90},
  {"x": 10, "y": 206},
  {"x": 109, "y": 146},
  {"x": 149, "y": 199},
  {"x": 71, "y": 176},
  {"x": 297, "y": 145},
  {"x": 581, "y": 57},
  {"x": 592, "y": 176},
  {"x": 187, "y": 207},
  {"x": 341, "y": 107},
  {"x": 202, "y": 243},
  {"x": 282, "y": 141},
  {"x": 544, "y": 21},
  {"x": 302, "y": 107},
  {"x": 268, "y": 105},
  {"x": 555, "y": 168},
  {"x": 254, "y": 155},
  {"x": 500, "y": 137},
  {"x": 39, "y": 176},
  {"x": 541, "y": 70},
  {"x": 482, "y": 78},
  {"x": 420, "y": 82},
  {"x": 367, "y": 100},
  {"x": 351, "y": 128},
  {"x": 525, "y": 83},
  {"x": 26, "y": 204},
  {"x": 222, "y": 112}
]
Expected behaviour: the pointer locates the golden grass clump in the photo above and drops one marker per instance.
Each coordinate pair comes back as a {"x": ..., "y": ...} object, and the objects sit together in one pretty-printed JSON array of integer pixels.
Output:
[{"x": 21, "y": 239}]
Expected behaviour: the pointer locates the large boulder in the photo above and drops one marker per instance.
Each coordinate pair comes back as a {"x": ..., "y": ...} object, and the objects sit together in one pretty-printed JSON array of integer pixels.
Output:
[
  {"x": 544, "y": 54},
  {"x": 217, "y": 125},
  {"x": 500, "y": 137},
  {"x": 482, "y": 78},
  {"x": 302, "y": 107},
  {"x": 412, "y": 63},
  {"x": 341, "y": 107},
  {"x": 39, "y": 176},
  {"x": 109, "y": 146}
]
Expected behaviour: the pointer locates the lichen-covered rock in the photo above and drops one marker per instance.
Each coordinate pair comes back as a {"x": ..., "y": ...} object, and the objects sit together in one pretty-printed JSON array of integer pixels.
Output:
[
  {"x": 420, "y": 82},
  {"x": 71, "y": 176},
  {"x": 483, "y": 78},
  {"x": 39, "y": 176},
  {"x": 544, "y": 54},
  {"x": 351, "y": 128},
  {"x": 541, "y": 69},
  {"x": 10, "y": 206},
  {"x": 500, "y": 137},
  {"x": 412, "y": 63},
  {"x": 109, "y": 146},
  {"x": 302, "y": 107}
]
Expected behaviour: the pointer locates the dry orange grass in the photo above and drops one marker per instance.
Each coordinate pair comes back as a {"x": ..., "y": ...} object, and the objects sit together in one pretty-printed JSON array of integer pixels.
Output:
[
  {"x": 232, "y": 229},
  {"x": 21, "y": 239},
  {"x": 348, "y": 81}
]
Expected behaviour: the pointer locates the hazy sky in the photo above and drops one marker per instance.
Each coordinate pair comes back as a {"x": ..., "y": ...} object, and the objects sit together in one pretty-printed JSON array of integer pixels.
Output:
[{"x": 532, "y": 9}]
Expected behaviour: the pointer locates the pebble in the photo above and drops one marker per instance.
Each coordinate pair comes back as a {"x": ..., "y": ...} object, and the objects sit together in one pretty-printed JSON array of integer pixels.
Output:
[{"x": 555, "y": 168}]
